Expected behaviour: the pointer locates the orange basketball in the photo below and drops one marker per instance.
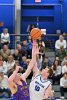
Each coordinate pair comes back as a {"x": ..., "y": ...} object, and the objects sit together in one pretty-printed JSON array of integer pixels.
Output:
[{"x": 35, "y": 33}]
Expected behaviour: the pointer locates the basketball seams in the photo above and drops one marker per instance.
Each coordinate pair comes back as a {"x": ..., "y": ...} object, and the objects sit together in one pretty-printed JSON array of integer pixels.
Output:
[
  {"x": 37, "y": 36},
  {"x": 35, "y": 33}
]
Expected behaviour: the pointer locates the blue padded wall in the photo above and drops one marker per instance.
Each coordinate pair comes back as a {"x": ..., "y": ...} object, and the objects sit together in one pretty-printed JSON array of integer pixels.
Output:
[
  {"x": 52, "y": 16},
  {"x": 7, "y": 15}
]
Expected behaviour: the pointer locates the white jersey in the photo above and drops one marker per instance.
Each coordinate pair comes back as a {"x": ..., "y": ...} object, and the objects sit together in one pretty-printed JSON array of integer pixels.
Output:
[{"x": 38, "y": 88}]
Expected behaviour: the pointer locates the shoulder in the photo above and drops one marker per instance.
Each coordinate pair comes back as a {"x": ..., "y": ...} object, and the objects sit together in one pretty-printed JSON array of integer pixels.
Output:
[
  {"x": 57, "y": 41},
  {"x": 64, "y": 67},
  {"x": 2, "y": 33},
  {"x": 62, "y": 79},
  {"x": 8, "y": 34},
  {"x": 64, "y": 40},
  {"x": 35, "y": 77}
]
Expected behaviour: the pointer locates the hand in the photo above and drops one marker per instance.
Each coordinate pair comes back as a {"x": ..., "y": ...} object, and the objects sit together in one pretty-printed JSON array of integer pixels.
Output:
[
  {"x": 65, "y": 85},
  {"x": 17, "y": 68}
]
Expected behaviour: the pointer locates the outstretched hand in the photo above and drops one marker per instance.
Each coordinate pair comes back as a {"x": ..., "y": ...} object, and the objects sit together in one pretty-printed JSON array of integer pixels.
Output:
[{"x": 17, "y": 68}]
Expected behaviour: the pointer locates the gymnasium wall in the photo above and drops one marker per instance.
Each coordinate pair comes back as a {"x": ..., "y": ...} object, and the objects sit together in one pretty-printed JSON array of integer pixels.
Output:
[
  {"x": 7, "y": 15},
  {"x": 51, "y": 14}
]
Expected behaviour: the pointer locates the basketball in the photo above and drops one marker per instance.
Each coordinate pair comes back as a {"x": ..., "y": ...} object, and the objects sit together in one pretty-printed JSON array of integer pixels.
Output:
[{"x": 35, "y": 33}]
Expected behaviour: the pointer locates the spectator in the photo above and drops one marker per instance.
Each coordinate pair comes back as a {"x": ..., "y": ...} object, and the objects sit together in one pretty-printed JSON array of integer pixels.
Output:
[
  {"x": 63, "y": 62},
  {"x": 5, "y": 52},
  {"x": 17, "y": 56},
  {"x": 64, "y": 68},
  {"x": 23, "y": 63},
  {"x": 57, "y": 58},
  {"x": 30, "y": 27},
  {"x": 19, "y": 48},
  {"x": 65, "y": 35},
  {"x": 3, "y": 65},
  {"x": 56, "y": 71},
  {"x": 63, "y": 85},
  {"x": 46, "y": 62},
  {"x": 5, "y": 38},
  {"x": 41, "y": 48},
  {"x": 29, "y": 48},
  {"x": 10, "y": 62},
  {"x": 4, "y": 84},
  {"x": 61, "y": 42},
  {"x": 61, "y": 53},
  {"x": 42, "y": 41},
  {"x": 24, "y": 47}
]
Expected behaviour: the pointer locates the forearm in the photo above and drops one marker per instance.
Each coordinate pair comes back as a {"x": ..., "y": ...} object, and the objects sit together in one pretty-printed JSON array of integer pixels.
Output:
[
  {"x": 29, "y": 69},
  {"x": 13, "y": 76}
]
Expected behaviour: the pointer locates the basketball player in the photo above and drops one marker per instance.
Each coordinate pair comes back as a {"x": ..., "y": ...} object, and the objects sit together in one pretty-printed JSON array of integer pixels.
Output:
[
  {"x": 17, "y": 83},
  {"x": 40, "y": 87}
]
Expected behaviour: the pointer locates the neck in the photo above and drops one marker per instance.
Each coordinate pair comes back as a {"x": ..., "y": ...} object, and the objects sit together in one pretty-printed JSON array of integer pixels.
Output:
[{"x": 43, "y": 77}]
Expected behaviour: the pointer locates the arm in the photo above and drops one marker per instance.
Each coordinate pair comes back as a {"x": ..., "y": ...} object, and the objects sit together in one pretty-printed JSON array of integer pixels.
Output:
[
  {"x": 48, "y": 93},
  {"x": 8, "y": 38},
  {"x": 1, "y": 37},
  {"x": 28, "y": 71},
  {"x": 35, "y": 51},
  {"x": 65, "y": 44},
  {"x": 35, "y": 70},
  {"x": 61, "y": 82},
  {"x": 56, "y": 45},
  {"x": 11, "y": 84},
  {"x": 13, "y": 76}
]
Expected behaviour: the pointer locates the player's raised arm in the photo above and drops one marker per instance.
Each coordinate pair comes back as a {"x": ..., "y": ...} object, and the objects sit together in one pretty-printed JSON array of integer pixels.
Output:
[
  {"x": 13, "y": 76},
  {"x": 35, "y": 51}
]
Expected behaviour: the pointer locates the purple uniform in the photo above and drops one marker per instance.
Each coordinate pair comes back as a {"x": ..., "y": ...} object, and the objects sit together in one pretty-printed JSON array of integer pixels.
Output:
[{"x": 22, "y": 92}]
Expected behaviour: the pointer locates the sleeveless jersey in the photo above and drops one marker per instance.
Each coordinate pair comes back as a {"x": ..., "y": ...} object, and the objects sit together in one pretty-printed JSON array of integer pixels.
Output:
[
  {"x": 22, "y": 92},
  {"x": 38, "y": 87}
]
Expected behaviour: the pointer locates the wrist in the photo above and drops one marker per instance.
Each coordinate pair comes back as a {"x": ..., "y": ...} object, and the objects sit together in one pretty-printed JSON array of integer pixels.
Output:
[{"x": 15, "y": 71}]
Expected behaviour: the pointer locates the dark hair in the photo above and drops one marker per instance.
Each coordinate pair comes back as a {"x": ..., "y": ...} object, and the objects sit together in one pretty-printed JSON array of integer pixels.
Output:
[
  {"x": 10, "y": 72},
  {"x": 65, "y": 73},
  {"x": 54, "y": 66},
  {"x": 50, "y": 72}
]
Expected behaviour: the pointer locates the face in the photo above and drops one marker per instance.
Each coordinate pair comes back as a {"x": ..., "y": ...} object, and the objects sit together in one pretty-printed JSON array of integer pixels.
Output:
[
  {"x": 24, "y": 42},
  {"x": 10, "y": 58},
  {"x": 5, "y": 31},
  {"x": 46, "y": 60},
  {"x": 56, "y": 62},
  {"x": 29, "y": 37},
  {"x": 16, "y": 52},
  {"x": 24, "y": 59},
  {"x": 19, "y": 47},
  {"x": 57, "y": 58},
  {"x": 61, "y": 38},
  {"x": 5, "y": 47},
  {"x": 66, "y": 63},
  {"x": 45, "y": 72},
  {"x": 1, "y": 63},
  {"x": 65, "y": 76}
]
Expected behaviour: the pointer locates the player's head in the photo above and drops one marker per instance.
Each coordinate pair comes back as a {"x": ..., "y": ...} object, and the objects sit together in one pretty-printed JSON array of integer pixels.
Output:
[
  {"x": 47, "y": 72},
  {"x": 17, "y": 78}
]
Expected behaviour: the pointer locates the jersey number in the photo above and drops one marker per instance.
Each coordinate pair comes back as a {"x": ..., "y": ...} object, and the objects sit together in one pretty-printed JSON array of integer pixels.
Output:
[{"x": 37, "y": 88}]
